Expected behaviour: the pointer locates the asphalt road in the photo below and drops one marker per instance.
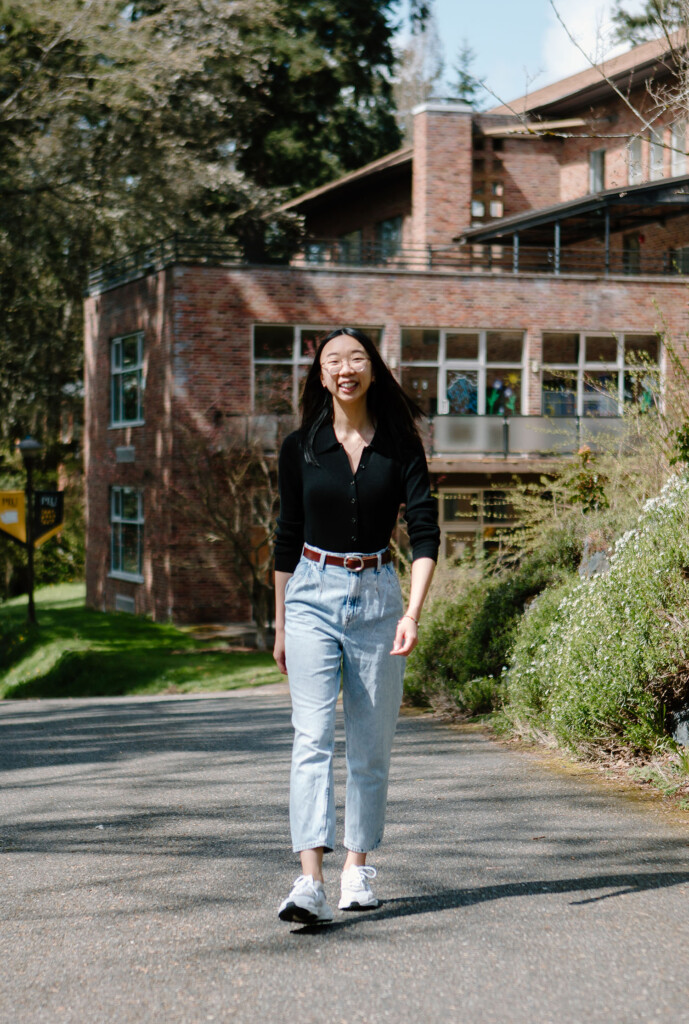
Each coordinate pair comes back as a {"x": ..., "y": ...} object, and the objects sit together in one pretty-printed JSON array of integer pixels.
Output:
[{"x": 145, "y": 851}]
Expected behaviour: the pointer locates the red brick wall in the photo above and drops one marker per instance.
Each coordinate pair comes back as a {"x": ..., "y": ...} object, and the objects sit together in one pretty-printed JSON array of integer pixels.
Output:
[
  {"x": 531, "y": 173},
  {"x": 197, "y": 323},
  {"x": 442, "y": 173}
]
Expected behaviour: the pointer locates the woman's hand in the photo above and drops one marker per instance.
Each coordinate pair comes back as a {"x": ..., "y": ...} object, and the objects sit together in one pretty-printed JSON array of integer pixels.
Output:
[
  {"x": 406, "y": 637},
  {"x": 279, "y": 650}
]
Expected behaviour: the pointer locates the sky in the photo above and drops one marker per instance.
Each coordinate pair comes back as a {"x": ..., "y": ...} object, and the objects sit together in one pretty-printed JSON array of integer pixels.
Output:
[{"x": 519, "y": 44}]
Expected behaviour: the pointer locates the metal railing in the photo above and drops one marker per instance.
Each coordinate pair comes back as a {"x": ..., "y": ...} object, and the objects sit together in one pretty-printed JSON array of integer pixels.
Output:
[
  {"x": 463, "y": 259},
  {"x": 470, "y": 435},
  {"x": 499, "y": 259},
  {"x": 524, "y": 435},
  {"x": 166, "y": 252}
]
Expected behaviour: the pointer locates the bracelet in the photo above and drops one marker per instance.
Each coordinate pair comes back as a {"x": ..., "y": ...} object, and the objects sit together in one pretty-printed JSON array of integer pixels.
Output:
[{"x": 408, "y": 616}]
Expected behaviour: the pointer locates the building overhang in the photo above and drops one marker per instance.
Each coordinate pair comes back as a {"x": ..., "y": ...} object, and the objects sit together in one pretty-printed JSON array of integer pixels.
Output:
[
  {"x": 623, "y": 209},
  {"x": 390, "y": 166},
  {"x": 652, "y": 61}
]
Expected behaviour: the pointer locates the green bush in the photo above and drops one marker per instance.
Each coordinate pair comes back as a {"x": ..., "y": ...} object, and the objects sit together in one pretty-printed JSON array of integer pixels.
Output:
[
  {"x": 604, "y": 660},
  {"x": 465, "y": 643}
]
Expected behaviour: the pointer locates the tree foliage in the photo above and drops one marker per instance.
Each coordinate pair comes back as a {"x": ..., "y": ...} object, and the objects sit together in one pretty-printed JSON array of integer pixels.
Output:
[
  {"x": 466, "y": 86},
  {"x": 420, "y": 66},
  {"x": 656, "y": 18},
  {"x": 125, "y": 121}
]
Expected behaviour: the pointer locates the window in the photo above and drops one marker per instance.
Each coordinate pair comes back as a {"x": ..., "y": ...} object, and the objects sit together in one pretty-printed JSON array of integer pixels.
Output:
[
  {"x": 594, "y": 375},
  {"x": 463, "y": 373},
  {"x": 388, "y": 237},
  {"x": 631, "y": 254},
  {"x": 351, "y": 247},
  {"x": 126, "y": 533},
  {"x": 282, "y": 356},
  {"x": 597, "y": 170},
  {"x": 127, "y": 380},
  {"x": 473, "y": 518},
  {"x": 634, "y": 162},
  {"x": 657, "y": 154},
  {"x": 678, "y": 141},
  {"x": 680, "y": 259}
]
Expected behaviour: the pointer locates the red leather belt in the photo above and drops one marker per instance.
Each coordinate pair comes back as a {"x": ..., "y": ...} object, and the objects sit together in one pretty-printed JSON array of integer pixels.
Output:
[{"x": 355, "y": 563}]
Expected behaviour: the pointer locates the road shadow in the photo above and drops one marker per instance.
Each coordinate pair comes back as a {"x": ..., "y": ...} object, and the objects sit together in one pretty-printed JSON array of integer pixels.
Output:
[{"x": 453, "y": 899}]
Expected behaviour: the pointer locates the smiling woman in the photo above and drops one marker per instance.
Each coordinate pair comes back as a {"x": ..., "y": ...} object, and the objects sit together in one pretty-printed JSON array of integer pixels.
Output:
[{"x": 338, "y": 614}]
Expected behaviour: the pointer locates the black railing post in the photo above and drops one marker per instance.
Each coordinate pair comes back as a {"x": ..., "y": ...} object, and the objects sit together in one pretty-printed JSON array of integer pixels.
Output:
[{"x": 505, "y": 436}]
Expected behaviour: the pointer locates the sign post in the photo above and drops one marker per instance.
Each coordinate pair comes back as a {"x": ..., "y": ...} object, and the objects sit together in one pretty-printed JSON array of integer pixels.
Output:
[{"x": 31, "y": 517}]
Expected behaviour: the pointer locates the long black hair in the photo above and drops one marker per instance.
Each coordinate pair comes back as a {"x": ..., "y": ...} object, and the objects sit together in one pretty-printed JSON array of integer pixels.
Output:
[{"x": 395, "y": 414}]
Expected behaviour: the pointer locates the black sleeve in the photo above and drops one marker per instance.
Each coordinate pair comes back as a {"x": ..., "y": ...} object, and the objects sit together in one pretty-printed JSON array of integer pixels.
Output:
[
  {"x": 289, "y": 534},
  {"x": 421, "y": 512}
]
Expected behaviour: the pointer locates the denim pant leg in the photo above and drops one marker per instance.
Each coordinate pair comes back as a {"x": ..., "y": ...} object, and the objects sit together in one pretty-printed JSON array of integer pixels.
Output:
[
  {"x": 314, "y": 665},
  {"x": 372, "y": 693}
]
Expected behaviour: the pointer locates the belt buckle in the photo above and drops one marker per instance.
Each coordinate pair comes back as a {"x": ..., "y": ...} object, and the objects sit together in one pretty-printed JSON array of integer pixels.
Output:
[{"x": 353, "y": 558}]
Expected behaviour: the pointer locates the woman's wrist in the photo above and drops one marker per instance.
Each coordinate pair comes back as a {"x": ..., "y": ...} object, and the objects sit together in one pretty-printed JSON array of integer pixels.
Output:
[{"x": 414, "y": 618}]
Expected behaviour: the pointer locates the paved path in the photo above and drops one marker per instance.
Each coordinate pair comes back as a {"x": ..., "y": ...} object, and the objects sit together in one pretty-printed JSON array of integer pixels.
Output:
[{"x": 144, "y": 853}]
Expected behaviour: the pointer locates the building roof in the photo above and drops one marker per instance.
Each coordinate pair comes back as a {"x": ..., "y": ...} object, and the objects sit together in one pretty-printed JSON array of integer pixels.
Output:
[
  {"x": 391, "y": 162},
  {"x": 627, "y": 208},
  {"x": 651, "y": 59}
]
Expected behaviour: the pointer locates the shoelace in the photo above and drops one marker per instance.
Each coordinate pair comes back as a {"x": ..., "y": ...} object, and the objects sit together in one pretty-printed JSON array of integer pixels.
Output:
[
  {"x": 304, "y": 882},
  {"x": 365, "y": 872}
]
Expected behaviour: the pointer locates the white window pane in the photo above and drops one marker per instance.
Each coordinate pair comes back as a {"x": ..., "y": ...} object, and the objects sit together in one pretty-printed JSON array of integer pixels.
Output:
[
  {"x": 657, "y": 154},
  {"x": 634, "y": 159},
  {"x": 679, "y": 148}
]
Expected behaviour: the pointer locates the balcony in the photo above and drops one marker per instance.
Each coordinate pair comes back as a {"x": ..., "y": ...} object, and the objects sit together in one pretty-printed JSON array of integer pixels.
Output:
[
  {"x": 493, "y": 258},
  {"x": 462, "y": 259},
  {"x": 520, "y": 437}
]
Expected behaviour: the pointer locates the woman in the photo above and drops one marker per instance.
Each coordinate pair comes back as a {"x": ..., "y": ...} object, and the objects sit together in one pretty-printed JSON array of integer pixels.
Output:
[{"x": 339, "y": 610}]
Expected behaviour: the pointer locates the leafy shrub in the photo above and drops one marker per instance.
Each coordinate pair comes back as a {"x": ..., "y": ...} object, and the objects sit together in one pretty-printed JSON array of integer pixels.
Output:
[
  {"x": 465, "y": 642},
  {"x": 606, "y": 659}
]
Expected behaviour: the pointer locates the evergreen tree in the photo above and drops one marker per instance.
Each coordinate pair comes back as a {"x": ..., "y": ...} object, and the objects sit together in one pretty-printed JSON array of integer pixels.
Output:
[
  {"x": 121, "y": 122},
  {"x": 466, "y": 85},
  {"x": 657, "y": 18}
]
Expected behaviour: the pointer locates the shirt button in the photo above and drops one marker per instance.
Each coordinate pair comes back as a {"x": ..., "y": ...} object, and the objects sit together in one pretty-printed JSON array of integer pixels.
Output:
[
  {"x": 353, "y": 501},
  {"x": 354, "y": 519}
]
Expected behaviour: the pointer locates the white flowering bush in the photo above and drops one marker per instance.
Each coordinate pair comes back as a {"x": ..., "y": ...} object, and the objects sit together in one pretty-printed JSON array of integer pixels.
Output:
[{"x": 604, "y": 660}]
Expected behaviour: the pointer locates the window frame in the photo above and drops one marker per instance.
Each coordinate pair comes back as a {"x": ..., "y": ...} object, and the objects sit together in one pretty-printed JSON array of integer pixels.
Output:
[
  {"x": 678, "y": 153},
  {"x": 596, "y": 170},
  {"x": 476, "y": 528},
  {"x": 443, "y": 365},
  {"x": 656, "y": 154},
  {"x": 296, "y": 361},
  {"x": 117, "y": 374},
  {"x": 585, "y": 366},
  {"x": 119, "y": 520},
  {"x": 635, "y": 164}
]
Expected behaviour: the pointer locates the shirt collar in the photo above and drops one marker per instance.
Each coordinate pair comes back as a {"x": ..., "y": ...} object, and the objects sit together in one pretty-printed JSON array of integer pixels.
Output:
[{"x": 325, "y": 441}]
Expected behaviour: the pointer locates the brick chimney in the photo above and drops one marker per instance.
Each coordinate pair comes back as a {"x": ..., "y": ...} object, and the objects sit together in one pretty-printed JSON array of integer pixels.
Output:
[{"x": 441, "y": 171}]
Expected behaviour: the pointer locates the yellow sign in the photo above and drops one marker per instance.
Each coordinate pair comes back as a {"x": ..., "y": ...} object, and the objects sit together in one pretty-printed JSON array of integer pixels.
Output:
[{"x": 13, "y": 514}]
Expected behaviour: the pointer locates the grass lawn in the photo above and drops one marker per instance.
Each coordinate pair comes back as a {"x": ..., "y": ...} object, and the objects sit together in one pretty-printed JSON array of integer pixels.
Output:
[{"x": 76, "y": 652}]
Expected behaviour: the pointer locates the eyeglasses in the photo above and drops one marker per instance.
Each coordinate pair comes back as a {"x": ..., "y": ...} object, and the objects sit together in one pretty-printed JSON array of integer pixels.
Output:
[{"x": 356, "y": 363}]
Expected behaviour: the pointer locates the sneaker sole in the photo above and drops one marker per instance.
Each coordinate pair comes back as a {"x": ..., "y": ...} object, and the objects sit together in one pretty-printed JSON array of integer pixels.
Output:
[
  {"x": 360, "y": 906},
  {"x": 293, "y": 912}
]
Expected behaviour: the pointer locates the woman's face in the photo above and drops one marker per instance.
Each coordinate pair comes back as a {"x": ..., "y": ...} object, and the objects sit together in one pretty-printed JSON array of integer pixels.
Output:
[{"x": 346, "y": 369}]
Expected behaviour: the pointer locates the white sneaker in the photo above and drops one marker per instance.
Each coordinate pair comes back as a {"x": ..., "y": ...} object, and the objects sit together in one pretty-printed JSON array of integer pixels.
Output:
[
  {"x": 306, "y": 903},
  {"x": 356, "y": 892}
]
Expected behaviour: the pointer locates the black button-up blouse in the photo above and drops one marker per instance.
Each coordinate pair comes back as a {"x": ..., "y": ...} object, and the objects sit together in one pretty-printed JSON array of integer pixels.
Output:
[{"x": 332, "y": 509}]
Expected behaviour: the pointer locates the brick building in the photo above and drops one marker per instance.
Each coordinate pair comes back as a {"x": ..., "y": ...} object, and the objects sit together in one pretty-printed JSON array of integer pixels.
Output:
[{"x": 512, "y": 265}]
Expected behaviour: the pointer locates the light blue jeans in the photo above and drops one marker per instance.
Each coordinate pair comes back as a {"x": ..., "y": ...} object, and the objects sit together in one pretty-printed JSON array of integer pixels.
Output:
[{"x": 340, "y": 626}]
